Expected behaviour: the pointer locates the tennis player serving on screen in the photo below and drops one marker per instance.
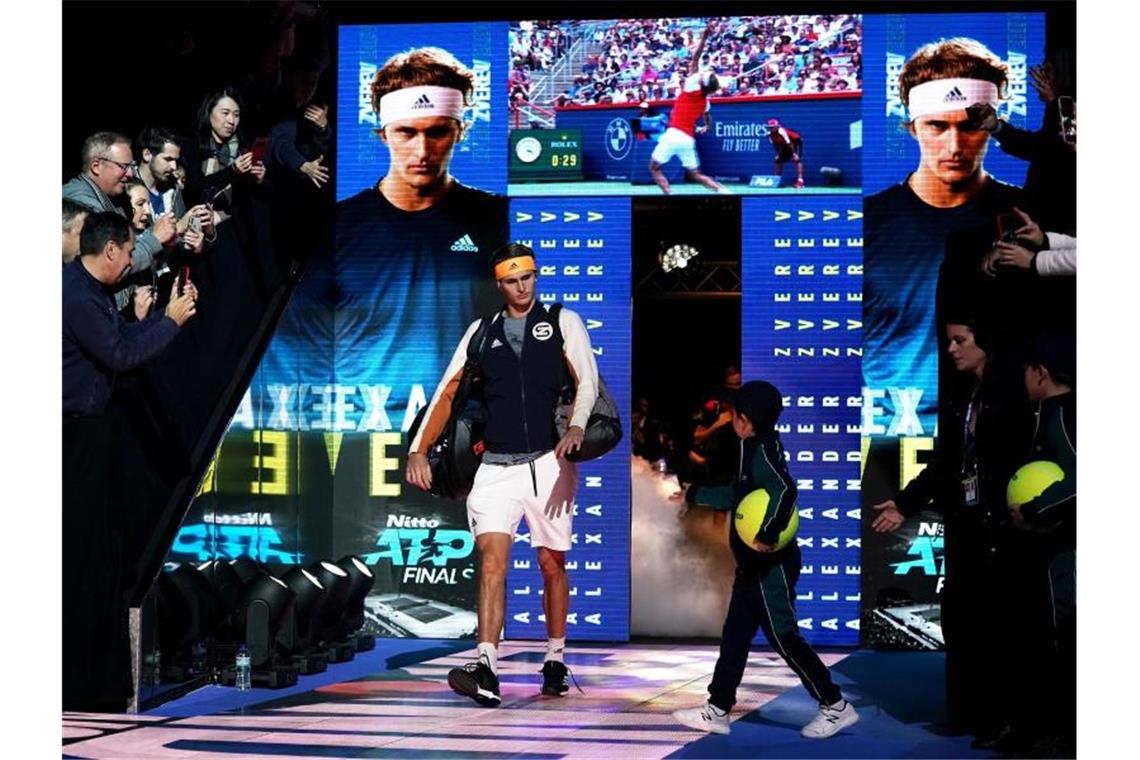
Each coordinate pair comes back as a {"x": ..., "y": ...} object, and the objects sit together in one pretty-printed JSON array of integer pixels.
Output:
[{"x": 680, "y": 138}]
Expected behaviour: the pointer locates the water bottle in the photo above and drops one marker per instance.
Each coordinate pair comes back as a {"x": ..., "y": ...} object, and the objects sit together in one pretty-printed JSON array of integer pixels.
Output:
[
  {"x": 152, "y": 668},
  {"x": 241, "y": 669}
]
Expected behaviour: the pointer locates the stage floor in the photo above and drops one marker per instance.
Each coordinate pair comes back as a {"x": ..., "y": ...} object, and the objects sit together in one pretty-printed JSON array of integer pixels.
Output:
[{"x": 408, "y": 711}]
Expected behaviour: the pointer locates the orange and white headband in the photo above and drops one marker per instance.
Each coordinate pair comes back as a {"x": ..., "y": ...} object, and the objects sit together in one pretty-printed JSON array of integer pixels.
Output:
[
  {"x": 418, "y": 102},
  {"x": 507, "y": 267},
  {"x": 940, "y": 95}
]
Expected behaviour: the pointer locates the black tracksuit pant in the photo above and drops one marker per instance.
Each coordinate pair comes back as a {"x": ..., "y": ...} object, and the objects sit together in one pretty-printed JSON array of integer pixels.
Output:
[
  {"x": 763, "y": 596},
  {"x": 997, "y": 652}
]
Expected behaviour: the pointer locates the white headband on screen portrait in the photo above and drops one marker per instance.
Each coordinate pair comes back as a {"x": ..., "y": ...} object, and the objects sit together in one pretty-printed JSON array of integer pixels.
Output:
[
  {"x": 421, "y": 101},
  {"x": 940, "y": 95}
]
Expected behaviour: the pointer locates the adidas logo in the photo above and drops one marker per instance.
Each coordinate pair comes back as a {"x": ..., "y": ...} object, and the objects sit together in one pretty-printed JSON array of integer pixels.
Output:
[
  {"x": 496, "y": 343},
  {"x": 465, "y": 244},
  {"x": 954, "y": 96},
  {"x": 423, "y": 101}
]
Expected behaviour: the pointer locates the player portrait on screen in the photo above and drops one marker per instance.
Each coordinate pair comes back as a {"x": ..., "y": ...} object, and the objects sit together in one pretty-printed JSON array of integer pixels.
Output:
[
  {"x": 907, "y": 227},
  {"x": 411, "y": 250}
]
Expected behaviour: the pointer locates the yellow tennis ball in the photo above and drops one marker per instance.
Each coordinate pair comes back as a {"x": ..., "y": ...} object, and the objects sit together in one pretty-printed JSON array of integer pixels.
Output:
[
  {"x": 750, "y": 514},
  {"x": 1030, "y": 481}
]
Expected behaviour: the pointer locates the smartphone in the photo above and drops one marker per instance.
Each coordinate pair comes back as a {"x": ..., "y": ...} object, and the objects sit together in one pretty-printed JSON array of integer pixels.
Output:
[
  {"x": 1007, "y": 226},
  {"x": 259, "y": 149},
  {"x": 183, "y": 276},
  {"x": 1067, "y": 108}
]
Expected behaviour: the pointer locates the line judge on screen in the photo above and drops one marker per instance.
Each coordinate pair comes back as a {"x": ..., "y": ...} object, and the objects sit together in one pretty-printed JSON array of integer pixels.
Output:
[
  {"x": 411, "y": 251},
  {"x": 907, "y": 226}
]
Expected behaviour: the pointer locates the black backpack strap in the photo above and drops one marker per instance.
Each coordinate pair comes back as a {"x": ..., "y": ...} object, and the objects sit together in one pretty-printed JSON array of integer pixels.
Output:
[
  {"x": 555, "y": 310},
  {"x": 478, "y": 342}
]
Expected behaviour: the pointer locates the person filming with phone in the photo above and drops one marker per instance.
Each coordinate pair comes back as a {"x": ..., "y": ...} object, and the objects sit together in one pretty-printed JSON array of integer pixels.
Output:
[
  {"x": 1051, "y": 181},
  {"x": 160, "y": 153}
]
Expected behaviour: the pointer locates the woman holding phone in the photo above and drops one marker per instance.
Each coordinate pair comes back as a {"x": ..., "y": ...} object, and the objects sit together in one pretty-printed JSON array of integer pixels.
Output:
[{"x": 221, "y": 163}]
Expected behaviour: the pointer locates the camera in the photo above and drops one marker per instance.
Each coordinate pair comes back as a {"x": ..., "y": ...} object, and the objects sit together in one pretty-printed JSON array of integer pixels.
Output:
[
  {"x": 1067, "y": 110},
  {"x": 1007, "y": 226}
]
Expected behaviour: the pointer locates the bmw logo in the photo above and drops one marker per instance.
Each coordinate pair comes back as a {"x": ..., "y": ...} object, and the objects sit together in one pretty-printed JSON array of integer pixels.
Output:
[{"x": 619, "y": 138}]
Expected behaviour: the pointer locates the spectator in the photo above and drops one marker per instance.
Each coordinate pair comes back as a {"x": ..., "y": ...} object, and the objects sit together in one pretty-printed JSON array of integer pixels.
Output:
[
  {"x": 648, "y": 432},
  {"x": 219, "y": 162},
  {"x": 138, "y": 198},
  {"x": 107, "y": 167},
  {"x": 301, "y": 140},
  {"x": 1047, "y": 254},
  {"x": 73, "y": 216},
  {"x": 1052, "y": 159},
  {"x": 745, "y": 45},
  {"x": 97, "y": 344},
  {"x": 159, "y": 156}
]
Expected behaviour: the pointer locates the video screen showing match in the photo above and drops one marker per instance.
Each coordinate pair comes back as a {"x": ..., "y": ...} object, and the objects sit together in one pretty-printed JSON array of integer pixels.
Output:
[{"x": 738, "y": 104}]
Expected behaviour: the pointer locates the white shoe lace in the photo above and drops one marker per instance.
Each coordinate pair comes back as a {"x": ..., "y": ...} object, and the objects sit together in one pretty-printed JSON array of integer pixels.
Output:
[
  {"x": 831, "y": 713},
  {"x": 709, "y": 714}
]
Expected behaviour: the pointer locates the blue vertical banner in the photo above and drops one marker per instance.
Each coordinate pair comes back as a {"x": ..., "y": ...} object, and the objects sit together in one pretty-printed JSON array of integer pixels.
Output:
[
  {"x": 583, "y": 251},
  {"x": 801, "y": 330},
  {"x": 480, "y": 159},
  {"x": 890, "y": 153}
]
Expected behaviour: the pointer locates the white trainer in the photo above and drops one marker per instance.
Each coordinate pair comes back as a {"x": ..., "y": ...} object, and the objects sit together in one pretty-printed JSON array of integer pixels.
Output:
[
  {"x": 704, "y": 718},
  {"x": 830, "y": 720}
]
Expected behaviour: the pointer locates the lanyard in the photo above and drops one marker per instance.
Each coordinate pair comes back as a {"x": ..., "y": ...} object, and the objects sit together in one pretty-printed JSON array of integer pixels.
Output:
[{"x": 968, "y": 437}]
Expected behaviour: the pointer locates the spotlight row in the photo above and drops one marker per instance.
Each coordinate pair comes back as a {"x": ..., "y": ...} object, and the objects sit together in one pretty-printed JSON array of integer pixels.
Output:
[{"x": 293, "y": 623}]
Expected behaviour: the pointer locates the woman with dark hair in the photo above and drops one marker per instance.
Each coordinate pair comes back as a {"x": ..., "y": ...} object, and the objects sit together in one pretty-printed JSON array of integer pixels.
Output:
[
  {"x": 220, "y": 161},
  {"x": 986, "y": 558}
]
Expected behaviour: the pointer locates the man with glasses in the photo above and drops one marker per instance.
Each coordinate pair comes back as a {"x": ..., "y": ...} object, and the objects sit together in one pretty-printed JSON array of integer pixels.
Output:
[{"x": 107, "y": 165}]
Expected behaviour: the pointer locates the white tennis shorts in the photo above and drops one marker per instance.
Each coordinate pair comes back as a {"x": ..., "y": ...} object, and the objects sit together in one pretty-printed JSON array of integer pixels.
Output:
[
  {"x": 503, "y": 494},
  {"x": 676, "y": 143}
]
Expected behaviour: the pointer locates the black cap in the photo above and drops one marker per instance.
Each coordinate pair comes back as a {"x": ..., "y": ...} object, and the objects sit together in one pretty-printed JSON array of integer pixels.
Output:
[
  {"x": 1056, "y": 353},
  {"x": 757, "y": 400}
]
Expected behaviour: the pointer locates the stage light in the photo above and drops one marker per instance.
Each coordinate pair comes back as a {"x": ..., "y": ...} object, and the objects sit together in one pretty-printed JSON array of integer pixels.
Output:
[
  {"x": 327, "y": 622},
  {"x": 307, "y": 592},
  {"x": 265, "y": 619},
  {"x": 678, "y": 256},
  {"x": 228, "y": 588},
  {"x": 247, "y": 568},
  {"x": 353, "y": 619},
  {"x": 185, "y": 615}
]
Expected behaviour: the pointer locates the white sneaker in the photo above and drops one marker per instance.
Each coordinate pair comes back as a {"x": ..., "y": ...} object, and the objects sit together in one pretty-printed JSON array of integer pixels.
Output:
[
  {"x": 830, "y": 720},
  {"x": 704, "y": 718}
]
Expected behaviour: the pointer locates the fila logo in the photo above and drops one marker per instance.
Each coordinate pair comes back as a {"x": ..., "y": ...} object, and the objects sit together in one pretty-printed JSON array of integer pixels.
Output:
[
  {"x": 422, "y": 102},
  {"x": 543, "y": 331},
  {"x": 954, "y": 96},
  {"x": 496, "y": 343},
  {"x": 465, "y": 244}
]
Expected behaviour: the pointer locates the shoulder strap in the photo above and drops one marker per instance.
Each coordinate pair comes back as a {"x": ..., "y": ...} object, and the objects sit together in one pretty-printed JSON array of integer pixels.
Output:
[
  {"x": 478, "y": 343},
  {"x": 555, "y": 310}
]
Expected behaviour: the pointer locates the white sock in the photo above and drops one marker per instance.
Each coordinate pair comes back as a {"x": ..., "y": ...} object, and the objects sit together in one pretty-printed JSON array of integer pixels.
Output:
[
  {"x": 490, "y": 655},
  {"x": 554, "y": 649}
]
